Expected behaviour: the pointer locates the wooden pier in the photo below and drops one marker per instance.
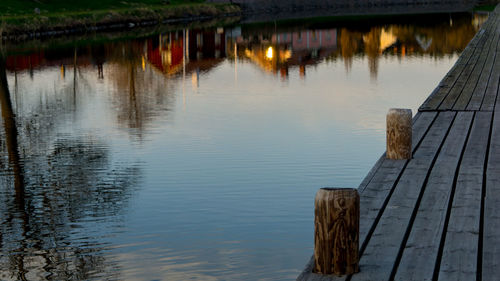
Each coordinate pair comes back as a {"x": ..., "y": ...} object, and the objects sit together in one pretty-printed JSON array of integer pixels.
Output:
[{"x": 436, "y": 216}]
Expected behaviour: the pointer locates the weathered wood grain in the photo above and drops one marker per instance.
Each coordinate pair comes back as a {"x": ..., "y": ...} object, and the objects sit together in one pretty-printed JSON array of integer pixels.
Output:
[
  {"x": 336, "y": 231},
  {"x": 481, "y": 73},
  {"x": 487, "y": 74},
  {"x": 398, "y": 133},
  {"x": 490, "y": 96},
  {"x": 468, "y": 76},
  {"x": 308, "y": 275},
  {"x": 459, "y": 254},
  {"x": 421, "y": 250},
  {"x": 472, "y": 80},
  {"x": 491, "y": 237},
  {"x": 490, "y": 269},
  {"x": 381, "y": 252},
  {"x": 443, "y": 88},
  {"x": 440, "y": 93}
]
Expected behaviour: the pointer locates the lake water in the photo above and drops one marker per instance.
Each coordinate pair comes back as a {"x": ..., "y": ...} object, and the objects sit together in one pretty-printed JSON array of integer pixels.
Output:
[{"x": 195, "y": 154}]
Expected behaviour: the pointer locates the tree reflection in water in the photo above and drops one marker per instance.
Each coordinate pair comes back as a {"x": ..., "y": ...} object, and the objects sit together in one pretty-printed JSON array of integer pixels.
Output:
[{"x": 51, "y": 187}]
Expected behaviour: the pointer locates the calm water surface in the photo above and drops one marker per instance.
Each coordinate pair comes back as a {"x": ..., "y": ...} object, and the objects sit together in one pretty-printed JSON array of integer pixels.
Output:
[{"x": 196, "y": 154}]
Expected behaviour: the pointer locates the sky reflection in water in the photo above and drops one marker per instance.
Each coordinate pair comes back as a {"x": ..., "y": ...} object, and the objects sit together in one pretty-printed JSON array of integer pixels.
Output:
[{"x": 196, "y": 154}]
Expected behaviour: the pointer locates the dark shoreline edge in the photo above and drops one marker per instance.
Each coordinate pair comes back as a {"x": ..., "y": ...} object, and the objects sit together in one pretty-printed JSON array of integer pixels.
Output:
[{"x": 41, "y": 27}]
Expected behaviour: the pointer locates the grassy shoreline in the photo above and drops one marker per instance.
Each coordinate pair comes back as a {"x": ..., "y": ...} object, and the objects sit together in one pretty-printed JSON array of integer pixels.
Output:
[
  {"x": 50, "y": 18},
  {"x": 14, "y": 47}
]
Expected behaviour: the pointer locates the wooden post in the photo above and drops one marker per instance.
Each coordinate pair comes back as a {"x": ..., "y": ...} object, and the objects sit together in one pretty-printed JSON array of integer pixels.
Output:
[
  {"x": 399, "y": 127},
  {"x": 336, "y": 231}
]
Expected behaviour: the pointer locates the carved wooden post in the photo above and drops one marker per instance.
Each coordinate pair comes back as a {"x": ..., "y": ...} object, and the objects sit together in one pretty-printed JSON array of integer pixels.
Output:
[
  {"x": 336, "y": 231},
  {"x": 399, "y": 127}
]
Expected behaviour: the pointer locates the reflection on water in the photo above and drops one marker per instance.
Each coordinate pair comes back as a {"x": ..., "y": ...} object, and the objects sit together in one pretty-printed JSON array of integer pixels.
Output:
[
  {"x": 279, "y": 51},
  {"x": 181, "y": 156},
  {"x": 53, "y": 188}
]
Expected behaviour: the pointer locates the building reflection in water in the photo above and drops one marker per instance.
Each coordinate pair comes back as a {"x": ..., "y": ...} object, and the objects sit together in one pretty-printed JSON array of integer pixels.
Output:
[
  {"x": 280, "y": 51},
  {"x": 299, "y": 49},
  {"x": 198, "y": 50}
]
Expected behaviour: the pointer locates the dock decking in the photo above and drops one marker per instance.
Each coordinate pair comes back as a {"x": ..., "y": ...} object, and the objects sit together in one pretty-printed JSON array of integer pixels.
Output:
[{"x": 435, "y": 216}]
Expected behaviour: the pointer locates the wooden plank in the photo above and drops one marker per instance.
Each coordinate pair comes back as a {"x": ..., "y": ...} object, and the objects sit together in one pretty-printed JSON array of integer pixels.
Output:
[
  {"x": 422, "y": 247},
  {"x": 476, "y": 101},
  {"x": 374, "y": 196},
  {"x": 491, "y": 237},
  {"x": 437, "y": 96},
  {"x": 468, "y": 75},
  {"x": 490, "y": 242},
  {"x": 368, "y": 178},
  {"x": 479, "y": 70},
  {"x": 490, "y": 96},
  {"x": 487, "y": 75},
  {"x": 497, "y": 99},
  {"x": 375, "y": 192},
  {"x": 441, "y": 91},
  {"x": 459, "y": 259},
  {"x": 380, "y": 254},
  {"x": 472, "y": 99}
]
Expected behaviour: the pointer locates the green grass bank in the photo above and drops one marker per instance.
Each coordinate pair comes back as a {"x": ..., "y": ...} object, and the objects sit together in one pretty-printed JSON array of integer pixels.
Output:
[{"x": 57, "y": 16}]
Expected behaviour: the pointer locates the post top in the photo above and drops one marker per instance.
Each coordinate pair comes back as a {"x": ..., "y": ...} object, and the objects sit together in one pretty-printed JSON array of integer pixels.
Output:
[
  {"x": 331, "y": 192},
  {"x": 338, "y": 188},
  {"x": 402, "y": 111}
]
